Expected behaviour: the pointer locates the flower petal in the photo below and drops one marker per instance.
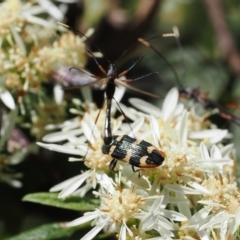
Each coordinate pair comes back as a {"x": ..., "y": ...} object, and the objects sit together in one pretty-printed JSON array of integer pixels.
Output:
[
  {"x": 182, "y": 137},
  {"x": 59, "y": 148},
  {"x": 204, "y": 151},
  {"x": 86, "y": 218},
  {"x": 123, "y": 232},
  {"x": 170, "y": 103},
  {"x": 183, "y": 207},
  {"x": 7, "y": 99},
  {"x": 61, "y": 136},
  {"x": 51, "y": 9},
  {"x": 58, "y": 93},
  {"x": 90, "y": 235},
  {"x": 145, "y": 107},
  {"x": 182, "y": 189},
  {"x": 173, "y": 215},
  {"x": 199, "y": 187},
  {"x": 215, "y": 152},
  {"x": 136, "y": 126},
  {"x": 216, "y": 220},
  {"x": 74, "y": 185},
  {"x": 155, "y": 130},
  {"x": 214, "y": 135},
  {"x": 226, "y": 150},
  {"x": 67, "y": 182},
  {"x": 119, "y": 92},
  {"x": 199, "y": 218}
]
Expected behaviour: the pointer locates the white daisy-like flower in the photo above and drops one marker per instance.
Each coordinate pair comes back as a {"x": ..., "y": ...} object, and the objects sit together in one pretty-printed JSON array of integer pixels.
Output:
[
  {"x": 25, "y": 35},
  {"x": 90, "y": 153},
  {"x": 190, "y": 195},
  {"x": 155, "y": 216},
  {"x": 16, "y": 13},
  {"x": 118, "y": 206},
  {"x": 121, "y": 208},
  {"x": 93, "y": 158},
  {"x": 208, "y": 223}
]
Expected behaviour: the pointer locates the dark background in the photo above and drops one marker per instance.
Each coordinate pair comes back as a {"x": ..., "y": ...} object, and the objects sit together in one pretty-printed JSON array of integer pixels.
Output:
[{"x": 210, "y": 36}]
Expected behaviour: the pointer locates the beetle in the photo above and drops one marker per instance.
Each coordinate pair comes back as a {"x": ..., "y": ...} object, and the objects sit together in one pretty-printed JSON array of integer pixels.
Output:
[
  {"x": 136, "y": 152},
  {"x": 197, "y": 96},
  {"x": 79, "y": 78},
  {"x": 194, "y": 93}
]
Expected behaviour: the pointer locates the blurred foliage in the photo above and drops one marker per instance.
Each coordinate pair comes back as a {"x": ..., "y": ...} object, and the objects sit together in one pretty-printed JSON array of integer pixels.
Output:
[{"x": 117, "y": 26}]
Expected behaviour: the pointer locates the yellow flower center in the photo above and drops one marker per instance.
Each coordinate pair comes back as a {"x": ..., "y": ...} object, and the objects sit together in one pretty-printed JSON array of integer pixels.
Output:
[{"x": 122, "y": 205}]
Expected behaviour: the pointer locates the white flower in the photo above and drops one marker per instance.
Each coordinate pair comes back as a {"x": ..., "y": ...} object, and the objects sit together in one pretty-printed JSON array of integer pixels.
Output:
[
  {"x": 118, "y": 206},
  {"x": 155, "y": 216},
  {"x": 190, "y": 195},
  {"x": 214, "y": 161},
  {"x": 7, "y": 99},
  {"x": 70, "y": 186},
  {"x": 15, "y": 13},
  {"x": 91, "y": 153}
]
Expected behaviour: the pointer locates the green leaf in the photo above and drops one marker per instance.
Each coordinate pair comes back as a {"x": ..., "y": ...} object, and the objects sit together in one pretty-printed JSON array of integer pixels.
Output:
[
  {"x": 72, "y": 203},
  {"x": 48, "y": 232},
  {"x": 7, "y": 126}
]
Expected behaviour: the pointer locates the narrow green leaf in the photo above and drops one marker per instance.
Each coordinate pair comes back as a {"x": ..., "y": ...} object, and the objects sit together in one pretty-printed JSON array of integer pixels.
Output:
[
  {"x": 105, "y": 236},
  {"x": 48, "y": 232},
  {"x": 72, "y": 203}
]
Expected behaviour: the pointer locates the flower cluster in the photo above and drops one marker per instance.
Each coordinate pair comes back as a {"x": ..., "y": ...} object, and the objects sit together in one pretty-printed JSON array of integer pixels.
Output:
[
  {"x": 30, "y": 51},
  {"x": 26, "y": 63},
  {"x": 190, "y": 196}
]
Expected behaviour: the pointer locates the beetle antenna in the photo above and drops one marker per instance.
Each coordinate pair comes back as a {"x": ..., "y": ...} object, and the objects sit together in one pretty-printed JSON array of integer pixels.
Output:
[
  {"x": 124, "y": 115},
  {"x": 88, "y": 50},
  {"x": 92, "y": 133},
  {"x": 147, "y": 44},
  {"x": 131, "y": 67},
  {"x": 176, "y": 35}
]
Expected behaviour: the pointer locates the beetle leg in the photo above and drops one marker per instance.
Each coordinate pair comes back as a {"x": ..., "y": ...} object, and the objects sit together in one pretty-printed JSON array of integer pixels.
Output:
[
  {"x": 136, "y": 170},
  {"x": 112, "y": 164}
]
